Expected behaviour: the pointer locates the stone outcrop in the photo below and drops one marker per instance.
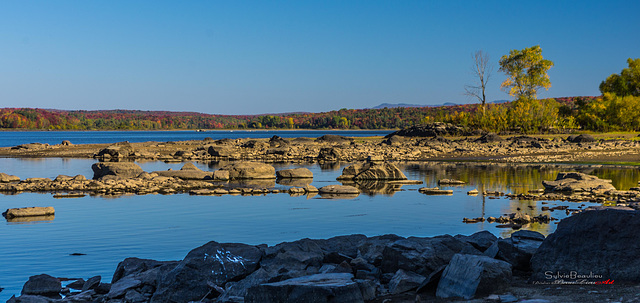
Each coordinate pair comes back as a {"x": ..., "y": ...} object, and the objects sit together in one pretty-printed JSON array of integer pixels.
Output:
[
  {"x": 249, "y": 170},
  {"x": 518, "y": 249},
  {"x": 577, "y": 182},
  {"x": 117, "y": 169},
  {"x": 300, "y": 172},
  {"x": 42, "y": 285},
  {"x": 598, "y": 245},
  {"x": 372, "y": 171}
]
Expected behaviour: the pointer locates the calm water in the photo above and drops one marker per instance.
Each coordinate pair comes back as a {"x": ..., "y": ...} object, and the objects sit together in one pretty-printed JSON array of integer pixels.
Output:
[
  {"x": 161, "y": 227},
  {"x": 13, "y": 138}
]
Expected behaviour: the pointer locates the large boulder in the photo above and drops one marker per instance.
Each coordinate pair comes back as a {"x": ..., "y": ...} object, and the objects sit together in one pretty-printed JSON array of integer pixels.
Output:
[
  {"x": 577, "y": 182},
  {"x": 319, "y": 288},
  {"x": 118, "y": 169},
  {"x": 211, "y": 264},
  {"x": 300, "y": 172},
  {"x": 42, "y": 285},
  {"x": 595, "y": 245},
  {"x": 468, "y": 276},
  {"x": 372, "y": 171},
  {"x": 187, "y": 172},
  {"x": 583, "y": 138},
  {"x": 249, "y": 170}
]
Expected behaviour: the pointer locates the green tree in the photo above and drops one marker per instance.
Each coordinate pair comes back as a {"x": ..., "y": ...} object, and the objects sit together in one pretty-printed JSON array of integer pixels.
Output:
[
  {"x": 627, "y": 83},
  {"x": 526, "y": 72}
]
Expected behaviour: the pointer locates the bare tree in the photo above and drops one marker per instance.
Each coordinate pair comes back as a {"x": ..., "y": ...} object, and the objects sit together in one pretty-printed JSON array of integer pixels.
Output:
[{"x": 482, "y": 71}]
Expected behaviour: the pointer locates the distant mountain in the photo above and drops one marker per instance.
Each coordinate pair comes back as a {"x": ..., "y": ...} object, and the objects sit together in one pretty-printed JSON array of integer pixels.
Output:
[{"x": 396, "y": 105}]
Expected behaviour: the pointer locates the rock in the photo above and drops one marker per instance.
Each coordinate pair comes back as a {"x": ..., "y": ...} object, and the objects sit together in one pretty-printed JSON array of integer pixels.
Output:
[
  {"x": 92, "y": 283},
  {"x": 77, "y": 284},
  {"x": 216, "y": 263},
  {"x": 518, "y": 249},
  {"x": 66, "y": 143},
  {"x": 320, "y": 288},
  {"x": 277, "y": 141},
  {"x": 120, "y": 288},
  {"x": 577, "y": 182},
  {"x": 468, "y": 276},
  {"x": 472, "y": 192},
  {"x": 329, "y": 154},
  {"x": 249, "y": 170},
  {"x": 118, "y": 150},
  {"x": 135, "y": 266},
  {"x": 430, "y": 130},
  {"x": 239, "y": 289},
  {"x": 371, "y": 250},
  {"x": 187, "y": 172},
  {"x": 435, "y": 191},
  {"x": 31, "y": 146},
  {"x": 294, "y": 173},
  {"x": 489, "y": 138},
  {"x": 339, "y": 190},
  {"x": 581, "y": 138},
  {"x": 29, "y": 299},
  {"x": 5, "y": 178},
  {"x": 28, "y": 212},
  {"x": 450, "y": 182},
  {"x": 372, "y": 171},
  {"x": 404, "y": 281},
  {"x": 333, "y": 139},
  {"x": 599, "y": 242},
  {"x": 293, "y": 256},
  {"x": 481, "y": 240},
  {"x": 421, "y": 255},
  {"x": 222, "y": 151},
  {"x": 118, "y": 169},
  {"x": 394, "y": 140},
  {"x": 42, "y": 285}
]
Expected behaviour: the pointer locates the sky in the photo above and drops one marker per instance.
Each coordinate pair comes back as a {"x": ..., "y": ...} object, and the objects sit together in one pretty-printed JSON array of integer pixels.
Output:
[{"x": 252, "y": 57}]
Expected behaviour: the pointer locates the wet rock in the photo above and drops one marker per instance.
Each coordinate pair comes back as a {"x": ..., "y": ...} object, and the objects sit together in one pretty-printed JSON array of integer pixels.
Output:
[
  {"x": 117, "y": 169},
  {"x": 372, "y": 171},
  {"x": 216, "y": 263},
  {"x": 577, "y": 182},
  {"x": 28, "y": 212},
  {"x": 598, "y": 242},
  {"x": 249, "y": 170},
  {"x": 42, "y": 285},
  {"x": 294, "y": 173},
  {"x": 320, "y": 288},
  {"x": 468, "y": 276}
]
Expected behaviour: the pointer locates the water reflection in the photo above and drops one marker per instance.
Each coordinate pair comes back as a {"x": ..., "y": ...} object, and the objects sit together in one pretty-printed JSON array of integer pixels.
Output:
[
  {"x": 31, "y": 220},
  {"x": 513, "y": 178},
  {"x": 374, "y": 187}
]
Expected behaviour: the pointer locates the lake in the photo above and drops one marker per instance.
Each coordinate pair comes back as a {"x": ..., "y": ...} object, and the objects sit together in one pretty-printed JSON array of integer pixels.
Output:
[{"x": 166, "y": 227}]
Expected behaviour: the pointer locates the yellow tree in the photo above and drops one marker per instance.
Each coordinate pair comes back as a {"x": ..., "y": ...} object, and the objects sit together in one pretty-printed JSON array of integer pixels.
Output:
[{"x": 526, "y": 72}]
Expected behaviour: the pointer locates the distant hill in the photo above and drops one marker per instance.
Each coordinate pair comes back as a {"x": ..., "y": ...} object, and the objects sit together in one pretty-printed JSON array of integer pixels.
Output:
[{"x": 397, "y": 105}]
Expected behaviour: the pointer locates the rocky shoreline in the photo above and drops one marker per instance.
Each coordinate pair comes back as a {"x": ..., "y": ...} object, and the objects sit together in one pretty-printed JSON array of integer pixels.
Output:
[{"x": 387, "y": 268}]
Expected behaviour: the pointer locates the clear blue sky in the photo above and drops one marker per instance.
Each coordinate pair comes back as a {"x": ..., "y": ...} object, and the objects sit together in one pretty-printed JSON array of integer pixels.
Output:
[{"x": 247, "y": 57}]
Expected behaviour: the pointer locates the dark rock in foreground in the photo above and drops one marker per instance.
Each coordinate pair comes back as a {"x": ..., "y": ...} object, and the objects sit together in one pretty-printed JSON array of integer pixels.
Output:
[
  {"x": 467, "y": 276},
  {"x": 319, "y": 288},
  {"x": 598, "y": 245}
]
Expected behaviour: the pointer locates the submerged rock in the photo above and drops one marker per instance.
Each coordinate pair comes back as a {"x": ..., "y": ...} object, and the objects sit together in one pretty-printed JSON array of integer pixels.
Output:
[{"x": 300, "y": 172}]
